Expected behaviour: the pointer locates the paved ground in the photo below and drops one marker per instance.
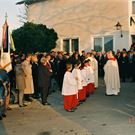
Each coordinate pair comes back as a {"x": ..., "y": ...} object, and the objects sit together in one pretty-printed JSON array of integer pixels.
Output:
[{"x": 99, "y": 115}]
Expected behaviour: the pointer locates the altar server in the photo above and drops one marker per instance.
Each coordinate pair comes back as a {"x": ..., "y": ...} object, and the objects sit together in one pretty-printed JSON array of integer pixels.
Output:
[{"x": 70, "y": 90}]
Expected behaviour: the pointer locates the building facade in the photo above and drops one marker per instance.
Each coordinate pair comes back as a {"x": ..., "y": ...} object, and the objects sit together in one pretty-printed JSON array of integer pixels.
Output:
[{"x": 87, "y": 24}]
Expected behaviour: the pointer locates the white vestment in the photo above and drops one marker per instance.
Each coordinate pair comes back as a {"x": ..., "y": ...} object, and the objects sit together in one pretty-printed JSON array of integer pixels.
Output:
[
  {"x": 94, "y": 65},
  {"x": 69, "y": 84},
  {"x": 89, "y": 74},
  {"x": 112, "y": 79},
  {"x": 77, "y": 74},
  {"x": 84, "y": 76}
]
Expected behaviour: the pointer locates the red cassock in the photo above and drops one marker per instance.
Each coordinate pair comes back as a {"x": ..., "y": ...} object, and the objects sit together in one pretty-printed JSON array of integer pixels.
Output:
[
  {"x": 82, "y": 94},
  {"x": 90, "y": 88},
  {"x": 70, "y": 102}
]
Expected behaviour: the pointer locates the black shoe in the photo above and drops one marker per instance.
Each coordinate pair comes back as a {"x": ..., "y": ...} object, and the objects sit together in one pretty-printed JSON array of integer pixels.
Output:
[
  {"x": 4, "y": 115},
  {"x": 83, "y": 100},
  {"x": 0, "y": 117},
  {"x": 36, "y": 97},
  {"x": 75, "y": 109},
  {"x": 80, "y": 102},
  {"x": 29, "y": 100},
  {"x": 109, "y": 95}
]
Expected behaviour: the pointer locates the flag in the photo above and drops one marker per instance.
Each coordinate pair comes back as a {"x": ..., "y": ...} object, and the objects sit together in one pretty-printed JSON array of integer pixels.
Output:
[
  {"x": 12, "y": 45},
  {"x": 5, "y": 60},
  {"x": 5, "y": 38}
]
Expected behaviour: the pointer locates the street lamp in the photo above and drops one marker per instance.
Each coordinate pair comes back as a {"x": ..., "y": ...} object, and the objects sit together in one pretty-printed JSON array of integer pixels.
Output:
[{"x": 119, "y": 27}]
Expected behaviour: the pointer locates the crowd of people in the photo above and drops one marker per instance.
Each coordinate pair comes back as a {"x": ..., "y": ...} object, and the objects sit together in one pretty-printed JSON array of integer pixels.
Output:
[{"x": 76, "y": 76}]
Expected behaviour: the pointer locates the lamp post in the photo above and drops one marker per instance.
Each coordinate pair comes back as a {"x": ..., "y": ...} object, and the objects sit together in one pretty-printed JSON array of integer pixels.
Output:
[{"x": 119, "y": 27}]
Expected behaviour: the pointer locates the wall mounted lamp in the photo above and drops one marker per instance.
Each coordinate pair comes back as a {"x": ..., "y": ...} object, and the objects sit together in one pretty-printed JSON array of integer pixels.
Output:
[{"x": 119, "y": 27}]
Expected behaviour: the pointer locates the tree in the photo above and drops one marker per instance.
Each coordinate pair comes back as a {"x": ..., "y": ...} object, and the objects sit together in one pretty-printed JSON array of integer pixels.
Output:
[{"x": 31, "y": 38}]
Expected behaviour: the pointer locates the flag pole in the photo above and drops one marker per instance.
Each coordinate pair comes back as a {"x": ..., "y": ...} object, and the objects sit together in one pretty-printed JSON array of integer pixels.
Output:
[{"x": 6, "y": 16}]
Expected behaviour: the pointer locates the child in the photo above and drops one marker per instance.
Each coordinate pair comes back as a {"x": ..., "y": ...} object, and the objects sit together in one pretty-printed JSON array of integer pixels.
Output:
[
  {"x": 84, "y": 80},
  {"x": 90, "y": 73},
  {"x": 69, "y": 90},
  {"x": 77, "y": 74},
  {"x": 86, "y": 76}
]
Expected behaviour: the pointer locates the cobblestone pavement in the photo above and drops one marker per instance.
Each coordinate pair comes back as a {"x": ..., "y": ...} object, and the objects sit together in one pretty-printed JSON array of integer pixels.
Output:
[{"x": 99, "y": 115}]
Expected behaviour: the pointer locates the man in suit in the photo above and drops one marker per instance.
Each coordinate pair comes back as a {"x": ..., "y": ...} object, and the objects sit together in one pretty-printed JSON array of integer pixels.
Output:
[
  {"x": 34, "y": 62},
  {"x": 44, "y": 74}
]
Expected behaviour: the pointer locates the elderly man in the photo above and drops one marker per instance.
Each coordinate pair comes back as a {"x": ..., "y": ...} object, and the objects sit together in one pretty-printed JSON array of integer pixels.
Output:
[{"x": 44, "y": 74}]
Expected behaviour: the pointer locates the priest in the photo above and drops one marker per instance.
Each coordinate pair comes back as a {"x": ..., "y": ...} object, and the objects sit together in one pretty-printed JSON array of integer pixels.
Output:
[{"x": 112, "y": 79}]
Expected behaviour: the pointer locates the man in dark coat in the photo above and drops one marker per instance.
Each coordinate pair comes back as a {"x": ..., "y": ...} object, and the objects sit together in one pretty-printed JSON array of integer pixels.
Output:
[
  {"x": 101, "y": 63},
  {"x": 124, "y": 66},
  {"x": 133, "y": 72},
  {"x": 34, "y": 62},
  {"x": 44, "y": 74},
  {"x": 61, "y": 69},
  {"x": 83, "y": 57}
]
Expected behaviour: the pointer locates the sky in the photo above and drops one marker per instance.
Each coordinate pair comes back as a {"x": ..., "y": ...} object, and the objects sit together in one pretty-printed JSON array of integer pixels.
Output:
[{"x": 13, "y": 11}]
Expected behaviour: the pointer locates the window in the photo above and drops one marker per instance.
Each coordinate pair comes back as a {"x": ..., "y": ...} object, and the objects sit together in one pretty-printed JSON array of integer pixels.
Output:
[
  {"x": 74, "y": 45},
  {"x": 71, "y": 44},
  {"x": 133, "y": 38},
  {"x": 133, "y": 7},
  {"x": 98, "y": 44},
  {"x": 66, "y": 45},
  {"x": 108, "y": 43},
  {"x": 103, "y": 43}
]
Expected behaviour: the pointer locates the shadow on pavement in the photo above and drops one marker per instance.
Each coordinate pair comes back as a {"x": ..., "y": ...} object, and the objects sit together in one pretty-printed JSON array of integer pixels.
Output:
[
  {"x": 44, "y": 133},
  {"x": 2, "y": 129}
]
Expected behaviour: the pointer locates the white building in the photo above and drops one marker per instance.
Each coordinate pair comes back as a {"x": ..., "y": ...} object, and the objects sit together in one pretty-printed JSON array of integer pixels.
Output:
[{"x": 87, "y": 24}]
